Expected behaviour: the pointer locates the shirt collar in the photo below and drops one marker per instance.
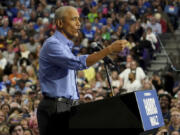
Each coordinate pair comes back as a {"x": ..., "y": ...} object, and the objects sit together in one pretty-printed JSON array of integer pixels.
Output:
[{"x": 61, "y": 37}]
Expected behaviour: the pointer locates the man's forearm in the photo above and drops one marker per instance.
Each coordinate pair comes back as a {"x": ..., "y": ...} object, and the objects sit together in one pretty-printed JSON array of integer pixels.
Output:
[
  {"x": 116, "y": 46},
  {"x": 95, "y": 57}
]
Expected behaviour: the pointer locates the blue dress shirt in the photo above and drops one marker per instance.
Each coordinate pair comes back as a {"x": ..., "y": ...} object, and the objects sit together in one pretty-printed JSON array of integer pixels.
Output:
[{"x": 57, "y": 67}]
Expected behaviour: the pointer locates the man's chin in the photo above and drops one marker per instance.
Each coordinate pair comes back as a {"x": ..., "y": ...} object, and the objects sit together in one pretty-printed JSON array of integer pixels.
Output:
[
  {"x": 71, "y": 36},
  {"x": 76, "y": 34}
]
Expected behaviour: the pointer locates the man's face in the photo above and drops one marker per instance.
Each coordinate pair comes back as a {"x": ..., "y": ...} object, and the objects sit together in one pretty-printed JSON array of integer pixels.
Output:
[
  {"x": 175, "y": 133},
  {"x": 2, "y": 117},
  {"x": 133, "y": 65},
  {"x": 129, "y": 58},
  {"x": 18, "y": 130},
  {"x": 71, "y": 23},
  {"x": 175, "y": 117},
  {"x": 164, "y": 102},
  {"x": 18, "y": 97}
]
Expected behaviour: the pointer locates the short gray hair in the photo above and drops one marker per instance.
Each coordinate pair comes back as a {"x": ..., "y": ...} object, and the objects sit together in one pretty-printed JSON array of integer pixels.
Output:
[{"x": 61, "y": 12}]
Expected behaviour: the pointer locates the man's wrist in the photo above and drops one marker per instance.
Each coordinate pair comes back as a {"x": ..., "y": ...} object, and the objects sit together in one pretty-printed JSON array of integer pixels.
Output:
[{"x": 109, "y": 49}]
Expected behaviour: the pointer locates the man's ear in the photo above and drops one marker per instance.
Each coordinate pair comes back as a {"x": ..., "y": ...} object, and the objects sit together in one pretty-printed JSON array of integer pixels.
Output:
[{"x": 59, "y": 23}]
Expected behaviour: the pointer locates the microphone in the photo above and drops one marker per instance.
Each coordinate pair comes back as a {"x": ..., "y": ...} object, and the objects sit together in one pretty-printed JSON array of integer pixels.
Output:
[{"x": 97, "y": 47}]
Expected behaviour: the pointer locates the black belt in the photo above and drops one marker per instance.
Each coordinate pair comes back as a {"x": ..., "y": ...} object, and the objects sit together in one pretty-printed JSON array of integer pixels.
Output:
[{"x": 62, "y": 99}]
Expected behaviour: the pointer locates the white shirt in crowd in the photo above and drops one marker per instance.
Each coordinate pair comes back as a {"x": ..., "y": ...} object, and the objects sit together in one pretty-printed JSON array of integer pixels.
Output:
[
  {"x": 32, "y": 48},
  {"x": 25, "y": 54},
  {"x": 134, "y": 86},
  {"x": 152, "y": 38},
  {"x": 3, "y": 63},
  {"x": 115, "y": 83},
  {"x": 9, "y": 56},
  {"x": 140, "y": 75},
  {"x": 156, "y": 28}
]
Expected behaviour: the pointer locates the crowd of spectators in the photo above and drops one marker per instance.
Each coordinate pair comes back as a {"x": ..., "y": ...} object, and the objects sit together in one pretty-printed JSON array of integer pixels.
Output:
[{"x": 25, "y": 24}]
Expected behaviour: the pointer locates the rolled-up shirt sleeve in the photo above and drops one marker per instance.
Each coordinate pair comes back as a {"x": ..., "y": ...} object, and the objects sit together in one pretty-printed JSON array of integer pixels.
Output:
[{"x": 61, "y": 55}]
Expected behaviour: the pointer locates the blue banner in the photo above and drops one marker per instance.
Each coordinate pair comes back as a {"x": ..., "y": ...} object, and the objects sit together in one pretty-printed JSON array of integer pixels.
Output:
[{"x": 149, "y": 109}]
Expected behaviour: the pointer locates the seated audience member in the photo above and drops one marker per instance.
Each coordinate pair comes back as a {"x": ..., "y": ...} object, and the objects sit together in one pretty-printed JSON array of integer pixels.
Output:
[
  {"x": 156, "y": 81},
  {"x": 2, "y": 117},
  {"x": 114, "y": 79},
  {"x": 178, "y": 104},
  {"x": 155, "y": 25},
  {"x": 3, "y": 61},
  {"x": 162, "y": 130},
  {"x": 4, "y": 129},
  {"x": 147, "y": 85},
  {"x": 150, "y": 36},
  {"x": 16, "y": 129},
  {"x": 129, "y": 59},
  {"x": 28, "y": 132},
  {"x": 132, "y": 84},
  {"x": 138, "y": 73},
  {"x": 165, "y": 101},
  {"x": 176, "y": 88},
  {"x": 15, "y": 75},
  {"x": 174, "y": 102},
  {"x": 175, "y": 132},
  {"x": 5, "y": 108},
  {"x": 174, "y": 121}
]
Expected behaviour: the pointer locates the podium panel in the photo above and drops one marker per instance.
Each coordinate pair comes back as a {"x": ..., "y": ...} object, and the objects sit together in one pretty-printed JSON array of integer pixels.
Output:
[
  {"x": 129, "y": 110},
  {"x": 149, "y": 109},
  {"x": 108, "y": 113}
]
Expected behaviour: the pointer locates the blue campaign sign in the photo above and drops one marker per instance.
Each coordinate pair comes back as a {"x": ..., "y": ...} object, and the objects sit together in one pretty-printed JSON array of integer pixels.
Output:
[{"x": 149, "y": 109}]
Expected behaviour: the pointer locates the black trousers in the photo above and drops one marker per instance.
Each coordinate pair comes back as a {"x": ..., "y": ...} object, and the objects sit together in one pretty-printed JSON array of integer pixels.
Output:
[{"x": 53, "y": 117}]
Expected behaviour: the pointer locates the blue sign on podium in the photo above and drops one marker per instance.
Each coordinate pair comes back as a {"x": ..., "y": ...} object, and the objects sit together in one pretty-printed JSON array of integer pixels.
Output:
[{"x": 149, "y": 109}]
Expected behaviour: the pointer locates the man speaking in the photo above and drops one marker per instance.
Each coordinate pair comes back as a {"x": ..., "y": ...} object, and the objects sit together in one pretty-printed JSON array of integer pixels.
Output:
[{"x": 57, "y": 71}]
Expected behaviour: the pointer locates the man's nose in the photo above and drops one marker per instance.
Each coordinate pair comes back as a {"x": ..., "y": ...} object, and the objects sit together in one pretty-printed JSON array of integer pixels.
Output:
[{"x": 78, "y": 23}]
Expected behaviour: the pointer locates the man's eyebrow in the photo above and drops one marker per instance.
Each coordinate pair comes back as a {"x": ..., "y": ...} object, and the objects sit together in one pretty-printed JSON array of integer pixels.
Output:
[{"x": 74, "y": 17}]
